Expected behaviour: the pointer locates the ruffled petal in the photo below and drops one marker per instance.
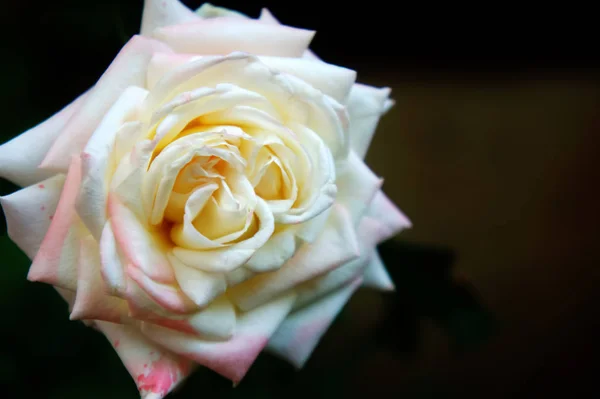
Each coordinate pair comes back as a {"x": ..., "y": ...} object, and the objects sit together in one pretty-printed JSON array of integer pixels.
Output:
[
  {"x": 56, "y": 261},
  {"x": 30, "y": 211},
  {"x": 224, "y": 35},
  {"x": 231, "y": 358},
  {"x": 159, "y": 13},
  {"x": 156, "y": 371},
  {"x": 301, "y": 331},
  {"x": 97, "y": 159},
  {"x": 91, "y": 300},
  {"x": 20, "y": 157},
  {"x": 336, "y": 245},
  {"x": 128, "y": 69}
]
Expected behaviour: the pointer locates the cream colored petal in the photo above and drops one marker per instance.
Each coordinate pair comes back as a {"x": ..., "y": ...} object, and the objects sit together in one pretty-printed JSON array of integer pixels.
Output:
[
  {"x": 376, "y": 275},
  {"x": 224, "y": 35},
  {"x": 20, "y": 157},
  {"x": 159, "y": 13}
]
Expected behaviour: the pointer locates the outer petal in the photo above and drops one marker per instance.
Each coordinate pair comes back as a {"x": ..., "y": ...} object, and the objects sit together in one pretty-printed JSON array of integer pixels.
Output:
[
  {"x": 376, "y": 276},
  {"x": 128, "y": 69},
  {"x": 159, "y": 13},
  {"x": 155, "y": 370},
  {"x": 92, "y": 301},
  {"x": 56, "y": 261},
  {"x": 221, "y": 36},
  {"x": 29, "y": 212},
  {"x": 20, "y": 157},
  {"x": 231, "y": 358},
  {"x": 336, "y": 246},
  {"x": 366, "y": 105},
  {"x": 96, "y": 159},
  {"x": 389, "y": 219},
  {"x": 267, "y": 17},
  {"x": 333, "y": 80},
  {"x": 302, "y": 330},
  {"x": 208, "y": 10},
  {"x": 357, "y": 186}
]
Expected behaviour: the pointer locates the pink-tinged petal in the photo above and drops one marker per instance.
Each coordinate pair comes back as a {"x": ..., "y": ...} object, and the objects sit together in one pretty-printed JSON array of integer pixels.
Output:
[
  {"x": 112, "y": 268},
  {"x": 30, "y": 211},
  {"x": 128, "y": 69},
  {"x": 267, "y": 17},
  {"x": 207, "y": 10},
  {"x": 336, "y": 245},
  {"x": 376, "y": 275},
  {"x": 216, "y": 321},
  {"x": 159, "y": 13},
  {"x": 155, "y": 370},
  {"x": 168, "y": 296},
  {"x": 366, "y": 105},
  {"x": 357, "y": 186},
  {"x": 96, "y": 159},
  {"x": 302, "y": 330},
  {"x": 200, "y": 286},
  {"x": 231, "y": 358},
  {"x": 139, "y": 246},
  {"x": 92, "y": 301},
  {"x": 389, "y": 218},
  {"x": 56, "y": 261},
  {"x": 221, "y": 36},
  {"x": 20, "y": 157}
]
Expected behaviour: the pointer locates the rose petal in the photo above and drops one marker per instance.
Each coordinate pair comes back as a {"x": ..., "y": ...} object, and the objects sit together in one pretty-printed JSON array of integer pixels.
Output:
[
  {"x": 30, "y": 211},
  {"x": 333, "y": 80},
  {"x": 112, "y": 268},
  {"x": 156, "y": 371},
  {"x": 357, "y": 186},
  {"x": 336, "y": 245},
  {"x": 267, "y": 17},
  {"x": 366, "y": 105},
  {"x": 376, "y": 275},
  {"x": 231, "y": 358},
  {"x": 159, "y": 13},
  {"x": 271, "y": 256},
  {"x": 302, "y": 330},
  {"x": 97, "y": 162},
  {"x": 224, "y": 35},
  {"x": 20, "y": 157},
  {"x": 92, "y": 301},
  {"x": 389, "y": 218},
  {"x": 128, "y": 69},
  {"x": 200, "y": 286},
  {"x": 56, "y": 261}
]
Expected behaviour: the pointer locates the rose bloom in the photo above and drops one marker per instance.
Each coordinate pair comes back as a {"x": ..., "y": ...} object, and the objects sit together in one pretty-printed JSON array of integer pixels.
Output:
[{"x": 207, "y": 198}]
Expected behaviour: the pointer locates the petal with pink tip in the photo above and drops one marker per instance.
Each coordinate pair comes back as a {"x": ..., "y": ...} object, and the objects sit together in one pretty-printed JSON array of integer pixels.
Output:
[
  {"x": 224, "y": 35},
  {"x": 389, "y": 218},
  {"x": 336, "y": 245},
  {"x": 128, "y": 69},
  {"x": 155, "y": 370},
  {"x": 159, "y": 13},
  {"x": 56, "y": 261},
  {"x": 92, "y": 301},
  {"x": 302, "y": 330},
  {"x": 366, "y": 105},
  {"x": 376, "y": 275},
  {"x": 231, "y": 358},
  {"x": 30, "y": 211},
  {"x": 20, "y": 157}
]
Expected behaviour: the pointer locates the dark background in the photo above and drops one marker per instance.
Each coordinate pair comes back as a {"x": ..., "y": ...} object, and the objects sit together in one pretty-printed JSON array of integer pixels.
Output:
[{"x": 490, "y": 151}]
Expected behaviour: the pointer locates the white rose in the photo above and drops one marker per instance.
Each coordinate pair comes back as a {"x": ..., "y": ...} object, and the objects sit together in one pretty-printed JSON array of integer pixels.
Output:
[{"x": 206, "y": 198}]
